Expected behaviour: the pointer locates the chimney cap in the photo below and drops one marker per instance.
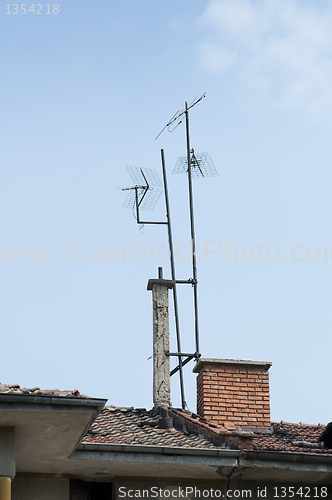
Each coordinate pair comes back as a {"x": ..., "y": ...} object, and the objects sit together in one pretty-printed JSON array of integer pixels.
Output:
[
  {"x": 167, "y": 283},
  {"x": 265, "y": 365}
]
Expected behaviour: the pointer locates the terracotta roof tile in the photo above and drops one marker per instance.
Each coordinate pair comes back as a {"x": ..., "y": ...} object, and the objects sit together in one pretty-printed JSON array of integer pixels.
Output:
[
  {"x": 138, "y": 427},
  {"x": 36, "y": 391},
  {"x": 285, "y": 434}
]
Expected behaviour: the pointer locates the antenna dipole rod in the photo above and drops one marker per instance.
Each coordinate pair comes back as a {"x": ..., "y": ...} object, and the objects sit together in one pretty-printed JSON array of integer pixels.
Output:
[
  {"x": 176, "y": 312},
  {"x": 137, "y": 205},
  {"x": 192, "y": 226}
]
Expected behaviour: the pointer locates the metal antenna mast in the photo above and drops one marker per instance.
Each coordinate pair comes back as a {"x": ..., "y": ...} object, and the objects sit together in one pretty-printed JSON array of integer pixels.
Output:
[
  {"x": 192, "y": 229},
  {"x": 190, "y": 163},
  {"x": 145, "y": 194},
  {"x": 175, "y": 299}
]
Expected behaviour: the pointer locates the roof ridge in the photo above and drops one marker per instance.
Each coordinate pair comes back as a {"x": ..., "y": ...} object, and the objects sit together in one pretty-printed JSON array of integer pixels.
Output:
[{"x": 299, "y": 424}]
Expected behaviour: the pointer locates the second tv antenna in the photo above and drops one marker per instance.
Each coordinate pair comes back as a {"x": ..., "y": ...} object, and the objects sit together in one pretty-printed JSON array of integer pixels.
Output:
[{"x": 195, "y": 166}]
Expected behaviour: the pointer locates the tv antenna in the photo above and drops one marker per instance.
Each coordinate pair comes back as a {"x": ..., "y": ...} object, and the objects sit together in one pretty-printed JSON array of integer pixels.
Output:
[
  {"x": 144, "y": 195},
  {"x": 195, "y": 166},
  {"x": 201, "y": 165},
  {"x": 177, "y": 118}
]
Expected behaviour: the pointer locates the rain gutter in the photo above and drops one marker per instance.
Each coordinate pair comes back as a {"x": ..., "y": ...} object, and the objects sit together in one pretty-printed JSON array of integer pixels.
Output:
[
  {"x": 236, "y": 457},
  {"x": 163, "y": 450},
  {"x": 287, "y": 457},
  {"x": 7, "y": 400}
]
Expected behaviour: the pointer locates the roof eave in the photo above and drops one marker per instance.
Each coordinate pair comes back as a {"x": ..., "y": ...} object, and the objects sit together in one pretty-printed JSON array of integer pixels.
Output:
[{"x": 24, "y": 399}]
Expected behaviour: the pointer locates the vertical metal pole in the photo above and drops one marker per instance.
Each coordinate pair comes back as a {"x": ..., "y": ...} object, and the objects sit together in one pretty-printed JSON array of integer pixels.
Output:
[
  {"x": 137, "y": 209},
  {"x": 192, "y": 226},
  {"x": 176, "y": 312}
]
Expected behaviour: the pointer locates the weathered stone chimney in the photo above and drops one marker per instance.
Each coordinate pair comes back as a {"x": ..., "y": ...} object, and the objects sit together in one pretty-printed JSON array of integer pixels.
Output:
[
  {"x": 234, "y": 391},
  {"x": 161, "y": 362}
]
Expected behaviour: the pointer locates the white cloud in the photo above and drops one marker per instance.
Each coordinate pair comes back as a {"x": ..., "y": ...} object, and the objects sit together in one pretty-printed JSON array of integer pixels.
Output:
[
  {"x": 216, "y": 57},
  {"x": 280, "y": 47}
]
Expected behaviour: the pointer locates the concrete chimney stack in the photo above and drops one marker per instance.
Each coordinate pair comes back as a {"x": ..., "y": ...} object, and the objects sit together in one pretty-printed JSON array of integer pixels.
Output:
[{"x": 161, "y": 362}]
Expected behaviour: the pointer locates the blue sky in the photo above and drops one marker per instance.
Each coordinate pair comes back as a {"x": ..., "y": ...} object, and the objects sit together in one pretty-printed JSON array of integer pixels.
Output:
[{"x": 84, "y": 93}]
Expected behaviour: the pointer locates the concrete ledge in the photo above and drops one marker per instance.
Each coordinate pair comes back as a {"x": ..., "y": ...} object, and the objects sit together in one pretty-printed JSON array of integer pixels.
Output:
[
  {"x": 47, "y": 429},
  {"x": 167, "y": 283},
  {"x": 265, "y": 365}
]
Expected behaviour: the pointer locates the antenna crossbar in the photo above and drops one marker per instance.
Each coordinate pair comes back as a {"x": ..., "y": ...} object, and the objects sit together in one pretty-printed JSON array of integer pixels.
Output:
[
  {"x": 179, "y": 354},
  {"x": 179, "y": 114}
]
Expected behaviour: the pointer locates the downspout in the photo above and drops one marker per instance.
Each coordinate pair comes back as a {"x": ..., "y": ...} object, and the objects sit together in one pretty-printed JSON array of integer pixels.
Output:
[{"x": 5, "y": 488}]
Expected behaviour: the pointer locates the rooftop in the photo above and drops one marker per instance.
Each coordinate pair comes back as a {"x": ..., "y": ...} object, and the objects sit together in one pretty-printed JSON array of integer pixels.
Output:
[
  {"x": 36, "y": 391},
  {"x": 141, "y": 427}
]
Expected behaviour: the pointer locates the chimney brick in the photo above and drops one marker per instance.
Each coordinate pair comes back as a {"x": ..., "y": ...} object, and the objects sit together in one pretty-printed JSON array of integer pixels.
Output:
[{"x": 234, "y": 391}]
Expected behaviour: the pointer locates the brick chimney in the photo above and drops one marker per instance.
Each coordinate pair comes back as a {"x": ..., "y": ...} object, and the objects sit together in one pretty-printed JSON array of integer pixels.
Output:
[
  {"x": 234, "y": 391},
  {"x": 161, "y": 362}
]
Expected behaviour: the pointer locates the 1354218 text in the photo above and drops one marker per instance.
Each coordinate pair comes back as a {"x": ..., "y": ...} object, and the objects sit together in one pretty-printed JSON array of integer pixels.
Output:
[{"x": 37, "y": 8}]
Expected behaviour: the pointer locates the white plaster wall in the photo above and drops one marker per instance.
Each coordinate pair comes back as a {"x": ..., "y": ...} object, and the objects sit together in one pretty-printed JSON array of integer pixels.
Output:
[{"x": 34, "y": 488}]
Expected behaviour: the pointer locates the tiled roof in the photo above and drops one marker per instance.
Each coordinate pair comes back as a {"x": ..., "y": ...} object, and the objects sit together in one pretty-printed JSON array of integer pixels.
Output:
[
  {"x": 281, "y": 436},
  {"x": 129, "y": 426},
  {"x": 284, "y": 435},
  {"x": 138, "y": 427},
  {"x": 36, "y": 391}
]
